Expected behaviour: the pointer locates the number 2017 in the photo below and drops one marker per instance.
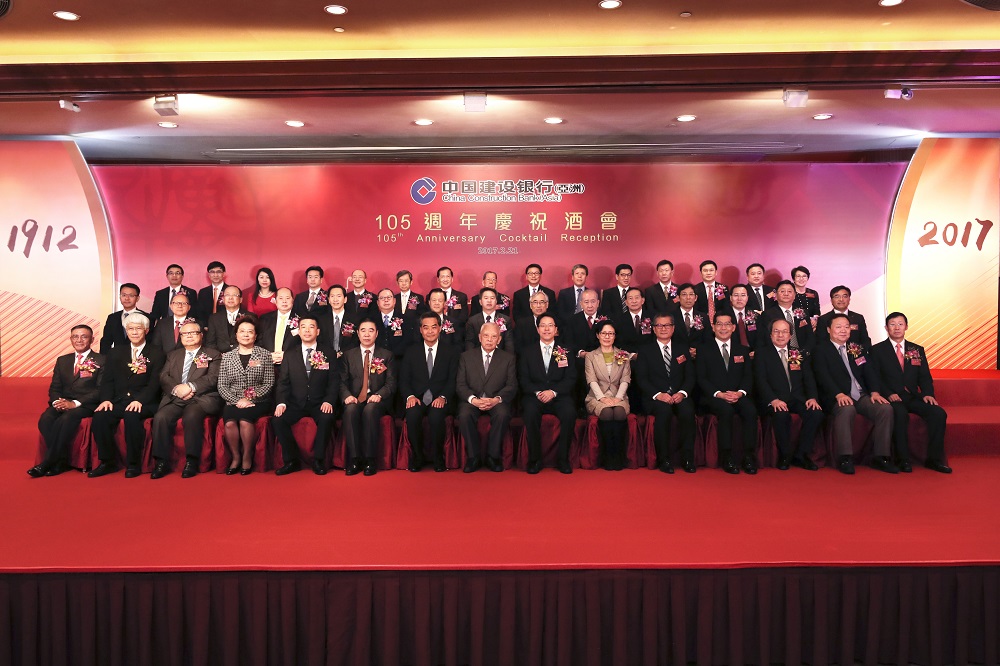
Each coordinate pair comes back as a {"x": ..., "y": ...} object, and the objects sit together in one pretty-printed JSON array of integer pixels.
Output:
[{"x": 949, "y": 234}]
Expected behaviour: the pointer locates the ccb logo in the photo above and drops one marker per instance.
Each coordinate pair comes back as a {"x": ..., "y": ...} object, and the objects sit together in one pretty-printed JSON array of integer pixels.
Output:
[{"x": 422, "y": 191}]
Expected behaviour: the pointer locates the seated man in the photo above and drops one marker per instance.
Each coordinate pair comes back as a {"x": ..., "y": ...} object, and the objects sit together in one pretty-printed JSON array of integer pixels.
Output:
[
  {"x": 666, "y": 376},
  {"x": 189, "y": 382},
  {"x": 113, "y": 333},
  {"x": 785, "y": 386},
  {"x": 308, "y": 385},
  {"x": 725, "y": 380},
  {"x": 130, "y": 391},
  {"x": 486, "y": 384},
  {"x": 427, "y": 383},
  {"x": 488, "y": 313},
  {"x": 847, "y": 383},
  {"x": 906, "y": 380},
  {"x": 73, "y": 395},
  {"x": 222, "y": 324},
  {"x": 548, "y": 378},
  {"x": 367, "y": 384}
]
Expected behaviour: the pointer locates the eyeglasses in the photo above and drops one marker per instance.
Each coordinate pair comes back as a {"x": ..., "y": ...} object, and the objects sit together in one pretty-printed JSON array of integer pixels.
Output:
[
  {"x": 190, "y": 333},
  {"x": 606, "y": 333},
  {"x": 663, "y": 325},
  {"x": 216, "y": 271}
]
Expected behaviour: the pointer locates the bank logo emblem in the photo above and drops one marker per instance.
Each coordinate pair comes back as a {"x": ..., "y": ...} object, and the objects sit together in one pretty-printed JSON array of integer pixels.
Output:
[{"x": 422, "y": 191}]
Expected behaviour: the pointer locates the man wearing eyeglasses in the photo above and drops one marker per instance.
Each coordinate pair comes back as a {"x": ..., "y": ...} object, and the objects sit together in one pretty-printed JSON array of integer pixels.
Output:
[
  {"x": 164, "y": 297},
  {"x": 210, "y": 298},
  {"x": 523, "y": 296},
  {"x": 167, "y": 334},
  {"x": 395, "y": 333},
  {"x": 613, "y": 298}
]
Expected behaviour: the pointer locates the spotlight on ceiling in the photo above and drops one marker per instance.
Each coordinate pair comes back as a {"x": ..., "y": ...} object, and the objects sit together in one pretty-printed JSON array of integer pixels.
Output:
[
  {"x": 898, "y": 93},
  {"x": 475, "y": 102},
  {"x": 67, "y": 105},
  {"x": 795, "y": 99},
  {"x": 166, "y": 105}
]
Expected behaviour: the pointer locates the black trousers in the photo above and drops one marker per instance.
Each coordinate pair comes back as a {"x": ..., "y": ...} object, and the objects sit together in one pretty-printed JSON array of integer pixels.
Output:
[
  {"x": 724, "y": 413},
  {"x": 533, "y": 409},
  {"x": 58, "y": 430},
  {"x": 105, "y": 423},
  {"x": 282, "y": 426},
  {"x": 435, "y": 423}
]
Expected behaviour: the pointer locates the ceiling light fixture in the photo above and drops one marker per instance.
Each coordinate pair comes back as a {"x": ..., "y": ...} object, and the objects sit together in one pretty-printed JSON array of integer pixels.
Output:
[
  {"x": 890, "y": 3},
  {"x": 67, "y": 105},
  {"x": 423, "y": 122},
  {"x": 475, "y": 102},
  {"x": 686, "y": 118},
  {"x": 66, "y": 16},
  {"x": 552, "y": 120},
  {"x": 823, "y": 116},
  {"x": 336, "y": 10},
  {"x": 685, "y": 14},
  {"x": 166, "y": 105},
  {"x": 898, "y": 93},
  {"x": 167, "y": 125},
  {"x": 795, "y": 99},
  {"x": 295, "y": 123},
  {"x": 338, "y": 29},
  {"x": 609, "y": 4}
]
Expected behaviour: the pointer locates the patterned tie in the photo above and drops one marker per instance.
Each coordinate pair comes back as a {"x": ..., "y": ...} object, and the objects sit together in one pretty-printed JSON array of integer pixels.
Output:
[
  {"x": 666, "y": 358},
  {"x": 899, "y": 355},
  {"x": 428, "y": 397},
  {"x": 177, "y": 330},
  {"x": 855, "y": 387},
  {"x": 489, "y": 319},
  {"x": 579, "y": 292},
  {"x": 486, "y": 365},
  {"x": 365, "y": 371},
  {"x": 310, "y": 300},
  {"x": 666, "y": 292},
  {"x": 710, "y": 291},
  {"x": 305, "y": 360},
  {"x": 385, "y": 320},
  {"x": 725, "y": 355},
  {"x": 784, "y": 363},
  {"x": 687, "y": 321},
  {"x": 791, "y": 322},
  {"x": 760, "y": 298},
  {"x": 624, "y": 305},
  {"x": 188, "y": 358}
]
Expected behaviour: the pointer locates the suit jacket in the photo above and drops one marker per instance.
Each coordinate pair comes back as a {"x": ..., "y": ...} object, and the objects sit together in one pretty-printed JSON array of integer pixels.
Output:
[
  {"x": 803, "y": 329},
  {"x": 566, "y": 302},
  {"x": 578, "y": 334},
  {"x": 352, "y": 375},
  {"x": 397, "y": 340},
  {"x": 456, "y": 338},
  {"x": 501, "y": 381},
  {"x": 713, "y": 375},
  {"x": 234, "y": 379},
  {"x": 161, "y": 303},
  {"x": 702, "y": 304},
  {"x": 71, "y": 386},
  {"x": 205, "y": 302},
  {"x": 205, "y": 379},
  {"x": 413, "y": 377},
  {"x": 771, "y": 383},
  {"x": 650, "y": 372},
  {"x": 629, "y": 338},
  {"x": 418, "y": 307},
  {"x": 348, "y": 329},
  {"x": 163, "y": 335},
  {"x": 832, "y": 377},
  {"x": 221, "y": 335},
  {"x": 459, "y": 313},
  {"x": 656, "y": 300},
  {"x": 300, "y": 308},
  {"x": 113, "y": 333},
  {"x": 476, "y": 322},
  {"x": 595, "y": 371},
  {"x": 611, "y": 301},
  {"x": 757, "y": 334},
  {"x": 122, "y": 385},
  {"x": 321, "y": 384},
  {"x": 268, "y": 324},
  {"x": 534, "y": 377},
  {"x": 520, "y": 303},
  {"x": 526, "y": 333},
  {"x": 859, "y": 329},
  {"x": 768, "y": 292},
  {"x": 504, "y": 305},
  {"x": 361, "y": 311},
  {"x": 701, "y": 329},
  {"x": 914, "y": 378}
]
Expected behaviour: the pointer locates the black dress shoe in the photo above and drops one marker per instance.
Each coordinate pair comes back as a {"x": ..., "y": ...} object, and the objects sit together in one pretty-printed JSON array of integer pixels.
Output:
[
  {"x": 319, "y": 467},
  {"x": 370, "y": 469},
  {"x": 439, "y": 466},
  {"x": 845, "y": 465},
  {"x": 534, "y": 467},
  {"x": 729, "y": 468},
  {"x": 883, "y": 464},
  {"x": 783, "y": 463},
  {"x": 353, "y": 468},
  {"x": 750, "y": 465},
  {"x": 190, "y": 469},
  {"x": 102, "y": 469},
  {"x": 564, "y": 468},
  {"x": 132, "y": 471},
  {"x": 289, "y": 467},
  {"x": 904, "y": 466},
  {"x": 160, "y": 470},
  {"x": 471, "y": 465},
  {"x": 38, "y": 471},
  {"x": 688, "y": 466},
  {"x": 805, "y": 463},
  {"x": 665, "y": 467},
  {"x": 494, "y": 465},
  {"x": 937, "y": 466},
  {"x": 415, "y": 464},
  {"x": 232, "y": 470}
]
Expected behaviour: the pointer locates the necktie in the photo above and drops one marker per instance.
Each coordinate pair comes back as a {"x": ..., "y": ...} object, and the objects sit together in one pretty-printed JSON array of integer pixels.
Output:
[
  {"x": 135, "y": 354},
  {"x": 579, "y": 292},
  {"x": 177, "y": 330},
  {"x": 365, "y": 371},
  {"x": 624, "y": 305},
  {"x": 428, "y": 398},
  {"x": 791, "y": 322},
  {"x": 899, "y": 355},
  {"x": 784, "y": 362},
  {"x": 215, "y": 300},
  {"x": 666, "y": 292},
  {"x": 666, "y": 358},
  {"x": 305, "y": 359},
  {"x": 855, "y": 387},
  {"x": 310, "y": 300},
  {"x": 760, "y": 298},
  {"x": 638, "y": 327},
  {"x": 486, "y": 365},
  {"x": 385, "y": 320},
  {"x": 489, "y": 319},
  {"x": 279, "y": 332},
  {"x": 188, "y": 358},
  {"x": 687, "y": 321},
  {"x": 336, "y": 333},
  {"x": 725, "y": 355},
  {"x": 590, "y": 321},
  {"x": 710, "y": 291},
  {"x": 743, "y": 330},
  {"x": 547, "y": 356},
  {"x": 79, "y": 360},
  {"x": 173, "y": 292}
]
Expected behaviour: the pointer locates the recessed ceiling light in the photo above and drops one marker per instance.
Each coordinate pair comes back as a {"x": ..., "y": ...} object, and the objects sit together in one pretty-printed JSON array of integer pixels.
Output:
[
  {"x": 554, "y": 121},
  {"x": 295, "y": 123},
  {"x": 66, "y": 16},
  {"x": 338, "y": 29},
  {"x": 335, "y": 9},
  {"x": 167, "y": 125},
  {"x": 609, "y": 4},
  {"x": 423, "y": 122},
  {"x": 890, "y": 3},
  {"x": 686, "y": 118},
  {"x": 823, "y": 116},
  {"x": 685, "y": 14}
]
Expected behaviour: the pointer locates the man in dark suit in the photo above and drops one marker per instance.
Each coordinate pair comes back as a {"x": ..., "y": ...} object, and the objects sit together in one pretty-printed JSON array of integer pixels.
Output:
[
  {"x": 613, "y": 298},
  {"x": 167, "y": 334},
  {"x": 548, "y": 377},
  {"x": 164, "y": 297},
  {"x": 308, "y": 385},
  {"x": 407, "y": 300},
  {"x": 693, "y": 327},
  {"x": 848, "y": 385},
  {"x": 397, "y": 334},
  {"x": 906, "y": 381},
  {"x": 746, "y": 318},
  {"x": 486, "y": 385},
  {"x": 113, "y": 333},
  {"x": 189, "y": 382},
  {"x": 314, "y": 299},
  {"x": 73, "y": 395},
  {"x": 784, "y": 385},
  {"x": 130, "y": 391},
  {"x": 662, "y": 295},
  {"x": 488, "y": 314},
  {"x": 456, "y": 303},
  {"x": 569, "y": 301},
  {"x": 338, "y": 328},
  {"x": 760, "y": 296},
  {"x": 427, "y": 384},
  {"x": 803, "y": 337},
  {"x": 713, "y": 296},
  {"x": 522, "y": 297},
  {"x": 840, "y": 298},
  {"x": 580, "y": 336},
  {"x": 210, "y": 298},
  {"x": 283, "y": 320},
  {"x": 526, "y": 328},
  {"x": 666, "y": 376},
  {"x": 452, "y": 335},
  {"x": 503, "y": 300},
  {"x": 360, "y": 300},
  {"x": 635, "y": 325},
  {"x": 725, "y": 380},
  {"x": 367, "y": 385},
  {"x": 222, "y": 324}
]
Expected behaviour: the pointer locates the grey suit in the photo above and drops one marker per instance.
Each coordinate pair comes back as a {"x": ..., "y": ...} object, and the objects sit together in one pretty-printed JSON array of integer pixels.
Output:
[
  {"x": 473, "y": 381},
  {"x": 203, "y": 376}
]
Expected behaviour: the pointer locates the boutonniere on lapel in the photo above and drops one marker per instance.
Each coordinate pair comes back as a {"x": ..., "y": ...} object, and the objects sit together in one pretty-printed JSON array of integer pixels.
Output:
[
  {"x": 696, "y": 323},
  {"x": 396, "y": 324},
  {"x": 364, "y": 300},
  {"x": 202, "y": 360},
  {"x": 452, "y": 303},
  {"x": 794, "y": 358},
  {"x": 599, "y": 318},
  {"x": 773, "y": 295},
  {"x": 645, "y": 326},
  {"x": 501, "y": 324},
  {"x": 317, "y": 360},
  {"x": 913, "y": 355},
  {"x": 347, "y": 329},
  {"x": 672, "y": 290},
  {"x": 750, "y": 319},
  {"x": 857, "y": 352},
  {"x": 799, "y": 313},
  {"x": 505, "y": 302},
  {"x": 87, "y": 368},
  {"x": 412, "y": 303},
  {"x": 720, "y": 291},
  {"x": 447, "y": 327},
  {"x": 293, "y": 323},
  {"x": 321, "y": 298},
  {"x": 377, "y": 366},
  {"x": 561, "y": 356},
  {"x": 621, "y": 357},
  {"x": 250, "y": 393},
  {"x": 138, "y": 366}
]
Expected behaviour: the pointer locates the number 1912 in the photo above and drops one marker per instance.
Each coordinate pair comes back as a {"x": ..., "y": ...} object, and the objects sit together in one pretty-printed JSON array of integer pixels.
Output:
[{"x": 30, "y": 231}]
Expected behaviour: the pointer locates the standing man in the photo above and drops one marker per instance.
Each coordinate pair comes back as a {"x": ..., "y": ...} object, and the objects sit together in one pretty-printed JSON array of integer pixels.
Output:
[
  {"x": 662, "y": 295},
  {"x": 313, "y": 298},
  {"x": 222, "y": 324},
  {"x": 210, "y": 299},
  {"x": 407, "y": 300},
  {"x": 486, "y": 385},
  {"x": 522, "y": 297},
  {"x": 760, "y": 296},
  {"x": 73, "y": 394},
  {"x": 712, "y": 295},
  {"x": 803, "y": 336},
  {"x": 189, "y": 382},
  {"x": 693, "y": 326},
  {"x": 503, "y": 300},
  {"x": 361, "y": 301},
  {"x": 526, "y": 328},
  {"x": 488, "y": 314},
  {"x": 367, "y": 384},
  {"x": 725, "y": 380},
  {"x": 279, "y": 328},
  {"x": 341, "y": 328},
  {"x": 164, "y": 297},
  {"x": 635, "y": 325},
  {"x": 130, "y": 392},
  {"x": 666, "y": 377},
  {"x": 848, "y": 384},
  {"x": 396, "y": 333},
  {"x": 906, "y": 379},
  {"x": 840, "y": 298},
  {"x": 308, "y": 385},
  {"x": 745, "y": 317},
  {"x": 167, "y": 334},
  {"x": 547, "y": 382},
  {"x": 456, "y": 303},
  {"x": 427, "y": 382},
  {"x": 113, "y": 333},
  {"x": 451, "y": 334},
  {"x": 785, "y": 386},
  {"x": 613, "y": 298},
  {"x": 570, "y": 298}
]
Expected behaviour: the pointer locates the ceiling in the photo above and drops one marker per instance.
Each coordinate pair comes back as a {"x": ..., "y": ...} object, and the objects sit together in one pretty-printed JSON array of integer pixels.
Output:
[{"x": 618, "y": 78}]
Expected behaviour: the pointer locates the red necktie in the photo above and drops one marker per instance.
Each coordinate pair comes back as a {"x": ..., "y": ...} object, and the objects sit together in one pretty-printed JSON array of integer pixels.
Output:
[
  {"x": 79, "y": 360},
  {"x": 177, "y": 330},
  {"x": 711, "y": 302},
  {"x": 590, "y": 322},
  {"x": 743, "y": 331},
  {"x": 899, "y": 355}
]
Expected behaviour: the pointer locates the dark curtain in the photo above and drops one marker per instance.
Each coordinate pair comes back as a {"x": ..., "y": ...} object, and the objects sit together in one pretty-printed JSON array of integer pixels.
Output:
[{"x": 896, "y": 615}]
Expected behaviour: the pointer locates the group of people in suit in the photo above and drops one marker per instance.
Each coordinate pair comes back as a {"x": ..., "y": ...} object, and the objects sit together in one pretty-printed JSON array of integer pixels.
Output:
[{"x": 670, "y": 351}]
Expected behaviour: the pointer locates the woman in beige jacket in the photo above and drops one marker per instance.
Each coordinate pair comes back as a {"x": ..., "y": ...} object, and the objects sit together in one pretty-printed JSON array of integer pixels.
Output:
[{"x": 608, "y": 374}]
